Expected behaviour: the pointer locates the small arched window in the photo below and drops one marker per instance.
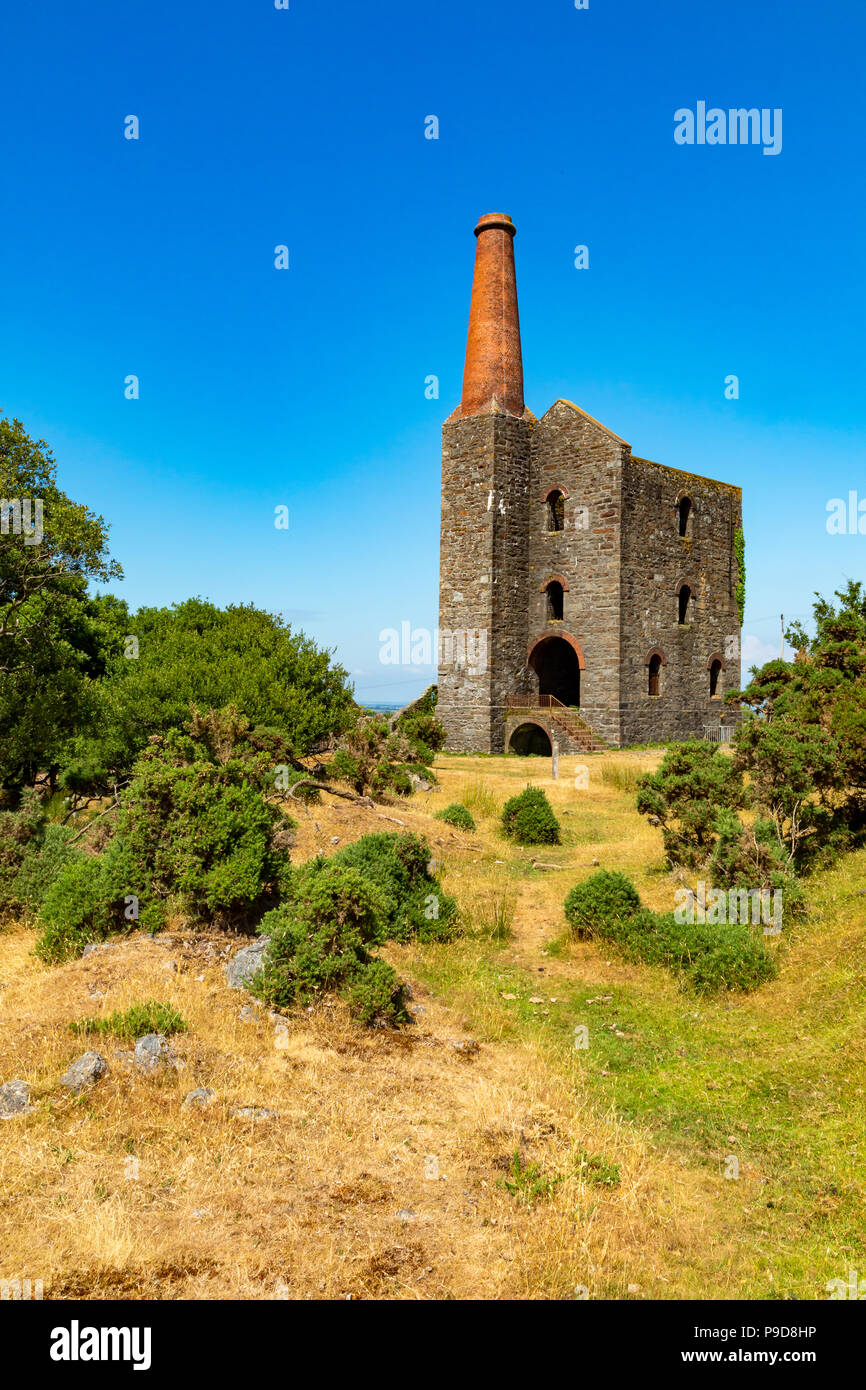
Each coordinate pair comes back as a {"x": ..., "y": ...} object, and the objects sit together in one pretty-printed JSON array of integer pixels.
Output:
[
  {"x": 556, "y": 510},
  {"x": 555, "y": 600},
  {"x": 684, "y": 512},
  {"x": 654, "y": 668},
  {"x": 715, "y": 673},
  {"x": 683, "y": 600}
]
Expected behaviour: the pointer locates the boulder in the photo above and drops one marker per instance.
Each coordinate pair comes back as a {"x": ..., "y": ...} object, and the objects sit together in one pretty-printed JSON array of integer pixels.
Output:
[
  {"x": 153, "y": 1052},
  {"x": 199, "y": 1098},
  {"x": 15, "y": 1099},
  {"x": 248, "y": 961},
  {"x": 84, "y": 1072}
]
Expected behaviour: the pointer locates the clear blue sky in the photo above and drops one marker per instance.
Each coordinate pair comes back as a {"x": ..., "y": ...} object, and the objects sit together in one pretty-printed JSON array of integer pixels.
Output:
[{"x": 305, "y": 387}]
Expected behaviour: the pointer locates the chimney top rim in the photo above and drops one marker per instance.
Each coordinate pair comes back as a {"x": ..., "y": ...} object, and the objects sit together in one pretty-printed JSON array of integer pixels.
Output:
[{"x": 495, "y": 219}]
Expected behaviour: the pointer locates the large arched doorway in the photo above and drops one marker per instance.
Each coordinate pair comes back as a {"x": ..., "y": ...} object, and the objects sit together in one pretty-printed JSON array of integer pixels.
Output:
[
  {"x": 529, "y": 739},
  {"x": 557, "y": 661}
]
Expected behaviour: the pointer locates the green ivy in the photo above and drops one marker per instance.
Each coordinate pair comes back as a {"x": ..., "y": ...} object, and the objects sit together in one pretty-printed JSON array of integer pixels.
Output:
[{"x": 740, "y": 591}]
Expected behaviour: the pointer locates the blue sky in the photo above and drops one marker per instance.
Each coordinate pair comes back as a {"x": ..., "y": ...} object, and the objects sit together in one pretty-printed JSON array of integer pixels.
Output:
[{"x": 306, "y": 387}]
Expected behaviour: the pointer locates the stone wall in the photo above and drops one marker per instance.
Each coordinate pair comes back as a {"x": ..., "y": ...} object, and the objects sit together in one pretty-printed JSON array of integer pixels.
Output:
[
  {"x": 656, "y": 560},
  {"x": 483, "y": 573},
  {"x": 573, "y": 452}
]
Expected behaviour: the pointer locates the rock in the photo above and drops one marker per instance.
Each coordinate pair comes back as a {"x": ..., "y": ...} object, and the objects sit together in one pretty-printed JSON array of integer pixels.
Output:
[
  {"x": 406, "y": 1214},
  {"x": 253, "y": 1112},
  {"x": 84, "y": 1072},
  {"x": 248, "y": 961},
  {"x": 335, "y": 839},
  {"x": 152, "y": 1052},
  {"x": 201, "y": 1097},
  {"x": 419, "y": 784},
  {"x": 88, "y": 950},
  {"x": 467, "y": 1046},
  {"x": 247, "y": 1014},
  {"x": 416, "y": 1010},
  {"x": 509, "y": 996},
  {"x": 15, "y": 1099}
]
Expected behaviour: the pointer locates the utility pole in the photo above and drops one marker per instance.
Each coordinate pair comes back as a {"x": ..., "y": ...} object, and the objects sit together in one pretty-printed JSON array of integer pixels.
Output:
[{"x": 782, "y": 648}]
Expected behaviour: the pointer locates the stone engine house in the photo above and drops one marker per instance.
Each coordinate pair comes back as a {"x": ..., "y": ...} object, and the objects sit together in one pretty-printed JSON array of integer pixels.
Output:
[{"x": 587, "y": 596}]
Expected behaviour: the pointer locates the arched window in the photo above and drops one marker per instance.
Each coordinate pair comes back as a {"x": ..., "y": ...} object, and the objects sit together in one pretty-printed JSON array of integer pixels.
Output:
[
  {"x": 715, "y": 672},
  {"x": 654, "y": 674},
  {"x": 683, "y": 599},
  {"x": 684, "y": 512},
  {"x": 556, "y": 510},
  {"x": 555, "y": 600}
]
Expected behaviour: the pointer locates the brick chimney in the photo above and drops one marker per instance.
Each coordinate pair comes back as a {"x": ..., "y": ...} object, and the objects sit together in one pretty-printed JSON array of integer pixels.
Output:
[{"x": 493, "y": 374}]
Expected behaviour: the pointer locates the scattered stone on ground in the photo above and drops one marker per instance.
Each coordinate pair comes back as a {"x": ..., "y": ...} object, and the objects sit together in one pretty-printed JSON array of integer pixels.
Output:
[
  {"x": 15, "y": 1099},
  {"x": 83, "y": 1072},
  {"x": 153, "y": 1052},
  {"x": 201, "y": 1097},
  {"x": 243, "y": 966}
]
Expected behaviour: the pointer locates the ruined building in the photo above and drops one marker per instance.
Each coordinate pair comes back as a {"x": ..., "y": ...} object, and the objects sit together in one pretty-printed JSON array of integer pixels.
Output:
[{"x": 573, "y": 575}]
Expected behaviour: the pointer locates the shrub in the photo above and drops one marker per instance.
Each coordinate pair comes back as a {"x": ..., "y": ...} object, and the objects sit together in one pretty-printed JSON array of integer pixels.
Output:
[
  {"x": 320, "y": 940},
  {"x": 374, "y": 994},
  {"x": 196, "y": 825},
  {"x": 693, "y": 784},
  {"x": 135, "y": 1022},
  {"x": 707, "y": 958},
  {"x": 457, "y": 815},
  {"x": 399, "y": 866},
  {"x": 529, "y": 819},
  {"x": 32, "y": 853},
  {"x": 600, "y": 902},
  {"x": 84, "y": 904}
]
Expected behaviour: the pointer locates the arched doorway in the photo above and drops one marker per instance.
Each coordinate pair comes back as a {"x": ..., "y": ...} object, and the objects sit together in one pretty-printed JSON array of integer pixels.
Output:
[
  {"x": 557, "y": 661},
  {"x": 530, "y": 739}
]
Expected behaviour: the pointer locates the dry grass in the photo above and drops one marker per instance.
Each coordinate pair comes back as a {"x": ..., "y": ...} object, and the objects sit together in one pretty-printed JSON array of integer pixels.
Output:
[{"x": 382, "y": 1174}]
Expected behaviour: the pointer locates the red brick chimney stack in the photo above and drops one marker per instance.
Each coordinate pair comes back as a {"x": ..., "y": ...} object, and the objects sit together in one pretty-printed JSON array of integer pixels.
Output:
[{"x": 493, "y": 375}]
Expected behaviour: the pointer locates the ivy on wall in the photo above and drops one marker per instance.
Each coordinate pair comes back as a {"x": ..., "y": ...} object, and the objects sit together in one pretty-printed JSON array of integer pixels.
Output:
[{"x": 740, "y": 555}]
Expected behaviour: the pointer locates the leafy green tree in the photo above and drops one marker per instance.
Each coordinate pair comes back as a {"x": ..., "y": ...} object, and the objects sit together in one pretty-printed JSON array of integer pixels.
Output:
[
  {"x": 54, "y": 639},
  {"x": 694, "y": 782},
  {"x": 197, "y": 655}
]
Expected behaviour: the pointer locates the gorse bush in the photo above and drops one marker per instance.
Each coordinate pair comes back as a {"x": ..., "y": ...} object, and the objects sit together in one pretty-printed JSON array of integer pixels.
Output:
[
  {"x": 457, "y": 815},
  {"x": 707, "y": 958},
  {"x": 338, "y": 911},
  {"x": 602, "y": 900},
  {"x": 321, "y": 940},
  {"x": 399, "y": 866},
  {"x": 195, "y": 835},
  {"x": 134, "y": 1022},
  {"x": 528, "y": 818},
  {"x": 32, "y": 853},
  {"x": 84, "y": 904},
  {"x": 195, "y": 822}
]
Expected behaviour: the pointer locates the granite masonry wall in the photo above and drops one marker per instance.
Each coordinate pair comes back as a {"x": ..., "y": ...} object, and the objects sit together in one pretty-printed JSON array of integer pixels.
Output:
[{"x": 620, "y": 560}]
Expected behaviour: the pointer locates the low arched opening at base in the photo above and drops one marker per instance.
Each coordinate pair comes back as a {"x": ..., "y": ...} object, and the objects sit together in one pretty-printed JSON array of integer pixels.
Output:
[{"x": 528, "y": 739}]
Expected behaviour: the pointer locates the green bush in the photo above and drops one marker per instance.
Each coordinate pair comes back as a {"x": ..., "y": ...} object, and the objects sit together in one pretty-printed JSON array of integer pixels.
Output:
[
  {"x": 84, "y": 904},
  {"x": 320, "y": 941},
  {"x": 399, "y": 866},
  {"x": 706, "y": 957},
  {"x": 32, "y": 853},
  {"x": 374, "y": 993},
  {"x": 135, "y": 1022},
  {"x": 529, "y": 819},
  {"x": 196, "y": 824},
  {"x": 457, "y": 815},
  {"x": 600, "y": 902}
]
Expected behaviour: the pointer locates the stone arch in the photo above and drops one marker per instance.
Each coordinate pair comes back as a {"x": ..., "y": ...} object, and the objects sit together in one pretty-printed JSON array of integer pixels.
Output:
[
  {"x": 656, "y": 651},
  {"x": 551, "y": 578},
  {"x": 685, "y": 596},
  {"x": 716, "y": 664},
  {"x": 557, "y": 487},
  {"x": 685, "y": 512},
  {"x": 530, "y": 739},
  {"x": 555, "y": 589},
  {"x": 558, "y": 660}
]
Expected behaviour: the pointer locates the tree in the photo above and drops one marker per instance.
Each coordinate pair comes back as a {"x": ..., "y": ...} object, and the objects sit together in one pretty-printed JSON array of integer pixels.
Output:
[
  {"x": 197, "y": 655},
  {"x": 53, "y": 637}
]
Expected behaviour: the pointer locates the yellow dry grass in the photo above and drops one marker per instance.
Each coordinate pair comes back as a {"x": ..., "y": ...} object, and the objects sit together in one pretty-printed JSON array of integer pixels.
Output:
[{"x": 382, "y": 1173}]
